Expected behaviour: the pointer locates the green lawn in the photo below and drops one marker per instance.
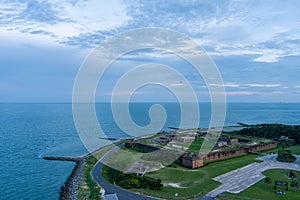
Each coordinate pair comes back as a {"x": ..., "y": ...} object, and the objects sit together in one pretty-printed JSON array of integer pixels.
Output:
[
  {"x": 193, "y": 182},
  {"x": 124, "y": 158},
  {"x": 263, "y": 191},
  {"x": 196, "y": 145},
  {"x": 198, "y": 181},
  {"x": 193, "y": 146},
  {"x": 295, "y": 149}
]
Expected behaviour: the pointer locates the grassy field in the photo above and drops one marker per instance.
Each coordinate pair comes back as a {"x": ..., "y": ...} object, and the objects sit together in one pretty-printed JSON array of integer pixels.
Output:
[
  {"x": 198, "y": 181},
  {"x": 124, "y": 158},
  {"x": 88, "y": 189},
  {"x": 190, "y": 183},
  {"x": 295, "y": 149},
  {"x": 193, "y": 146},
  {"x": 263, "y": 191}
]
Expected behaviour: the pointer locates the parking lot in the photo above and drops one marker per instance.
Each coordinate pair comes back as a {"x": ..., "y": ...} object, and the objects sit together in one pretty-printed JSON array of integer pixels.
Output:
[{"x": 242, "y": 178}]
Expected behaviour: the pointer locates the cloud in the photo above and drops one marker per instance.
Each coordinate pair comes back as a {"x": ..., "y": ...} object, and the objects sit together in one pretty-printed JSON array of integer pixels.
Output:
[
  {"x": 62, "y": 19},
  {"x": 226, "y": 85},
  {"x": 263, "y": 85},
  {"x": 225, "y": 28},
  {"x": 40, "y": 11},
  {"x": 247, "y": 93},
  {"x": 235, "y": 85}
]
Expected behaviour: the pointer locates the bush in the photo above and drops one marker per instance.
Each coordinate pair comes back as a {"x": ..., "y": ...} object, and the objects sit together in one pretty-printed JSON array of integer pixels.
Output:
[
  {"x": 285, "y": 156},
  {"x": 130, "y": 180}
]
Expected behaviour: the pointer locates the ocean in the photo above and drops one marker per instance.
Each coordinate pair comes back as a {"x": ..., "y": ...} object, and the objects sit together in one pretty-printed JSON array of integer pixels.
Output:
[{"x": 30, "y": 131}]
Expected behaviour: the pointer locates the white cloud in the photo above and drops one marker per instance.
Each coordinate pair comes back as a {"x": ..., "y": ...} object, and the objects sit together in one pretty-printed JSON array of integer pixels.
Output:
[
  {"x": 71, "y": 19},
  {"x": 267, "y": 58},
  {"x": 263, "y": 85},
  {"x": 233, "y": 85},
  {"x": 268, "y": 30},
  {"x": 236, "y": 85},
  {"x": 247, "y": 93}
]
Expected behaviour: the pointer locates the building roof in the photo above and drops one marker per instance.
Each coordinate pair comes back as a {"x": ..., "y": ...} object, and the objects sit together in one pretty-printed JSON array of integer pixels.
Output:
[{"x": 111, "y": 197}]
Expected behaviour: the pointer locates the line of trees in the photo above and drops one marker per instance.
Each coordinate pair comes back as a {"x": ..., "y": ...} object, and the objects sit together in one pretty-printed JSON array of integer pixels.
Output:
[
  {"x": 271, "y": 131},
  {"x": 130, "y": 180}
]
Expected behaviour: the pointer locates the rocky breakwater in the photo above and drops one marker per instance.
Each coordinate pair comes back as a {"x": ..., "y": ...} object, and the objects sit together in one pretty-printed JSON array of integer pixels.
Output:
[{"x": 69, "y": 190}]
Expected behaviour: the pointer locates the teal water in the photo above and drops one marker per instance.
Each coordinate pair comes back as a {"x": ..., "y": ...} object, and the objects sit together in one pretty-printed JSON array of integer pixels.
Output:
[{"x": 30, "y": 131}]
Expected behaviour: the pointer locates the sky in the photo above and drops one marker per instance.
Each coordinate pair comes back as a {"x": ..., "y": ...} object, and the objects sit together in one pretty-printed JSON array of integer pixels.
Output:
[{"x": 254, "y": 44}]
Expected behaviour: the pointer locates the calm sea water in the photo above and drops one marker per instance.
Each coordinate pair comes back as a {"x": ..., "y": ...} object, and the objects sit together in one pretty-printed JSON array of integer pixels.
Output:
[{"x": 30, "y": 131}]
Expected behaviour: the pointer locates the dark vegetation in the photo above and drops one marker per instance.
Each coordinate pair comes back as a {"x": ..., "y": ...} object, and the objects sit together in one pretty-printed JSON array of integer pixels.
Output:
[
  {"x": 284, "y": 155},
  {"x": 271, "y": 131},
  {"x": 130, "y": 180}
]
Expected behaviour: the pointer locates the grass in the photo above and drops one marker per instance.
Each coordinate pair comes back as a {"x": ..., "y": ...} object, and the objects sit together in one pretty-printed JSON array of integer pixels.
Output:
[
  {"x": 193, "y": 182},
  {"x": 124, "y": 158},
  {"x": 295, "y": 149},
  {"x": 196, "y": 145},
  {"x": 193, "y": 146},
  {"x": 198, "y": 181},
  {"x": 88, "y": 189},
  {"x": 263, "y": 191}
]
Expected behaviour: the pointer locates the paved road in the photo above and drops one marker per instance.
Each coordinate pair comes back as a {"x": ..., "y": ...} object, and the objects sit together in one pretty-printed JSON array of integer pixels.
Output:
[
  {"x": 110, "y": 188},
  {"x": 242, "y": 178}
]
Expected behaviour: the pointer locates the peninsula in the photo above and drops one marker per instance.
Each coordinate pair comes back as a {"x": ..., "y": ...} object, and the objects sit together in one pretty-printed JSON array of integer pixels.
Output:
[{"x": 191, "y": 176}]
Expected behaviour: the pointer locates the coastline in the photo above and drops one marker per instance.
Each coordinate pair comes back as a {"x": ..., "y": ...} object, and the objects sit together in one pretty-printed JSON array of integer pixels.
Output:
[{"x": 69, "y": 190}]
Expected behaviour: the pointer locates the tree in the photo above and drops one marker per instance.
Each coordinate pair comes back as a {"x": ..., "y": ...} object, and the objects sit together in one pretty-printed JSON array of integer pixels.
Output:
[
  {"x": 285, "y": 156},
  {"x": 295, "y": 184},
  {"x": 283, "y": 144},
  {"x": 292, "y": 174},
  {"x": 268, "y": 180}
]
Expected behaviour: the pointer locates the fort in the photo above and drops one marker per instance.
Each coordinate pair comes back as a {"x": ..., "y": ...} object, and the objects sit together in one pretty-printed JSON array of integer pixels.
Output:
[{"x": 192, "y": 160}]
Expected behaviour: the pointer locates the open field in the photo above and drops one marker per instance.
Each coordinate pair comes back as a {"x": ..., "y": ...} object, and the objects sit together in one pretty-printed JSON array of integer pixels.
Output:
[
  {"x": 185, "y": 183},
  {"x": 294, "y": 149},
  {"x": 124, "y": 158},
  {"x": 261, "y": 190},
  {"x": 198, "y": 181}
]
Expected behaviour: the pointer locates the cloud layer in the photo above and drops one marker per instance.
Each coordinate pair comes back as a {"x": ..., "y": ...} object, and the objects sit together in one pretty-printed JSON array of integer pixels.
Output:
[{"x": 255, "y": 44}]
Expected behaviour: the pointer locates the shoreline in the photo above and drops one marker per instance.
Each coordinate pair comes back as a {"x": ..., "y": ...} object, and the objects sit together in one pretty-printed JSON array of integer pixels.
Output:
[{"x": 69, "y": 190}]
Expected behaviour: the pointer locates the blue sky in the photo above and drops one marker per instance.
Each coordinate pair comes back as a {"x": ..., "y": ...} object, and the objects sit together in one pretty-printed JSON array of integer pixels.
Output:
[{"x": 255, "y": 44}]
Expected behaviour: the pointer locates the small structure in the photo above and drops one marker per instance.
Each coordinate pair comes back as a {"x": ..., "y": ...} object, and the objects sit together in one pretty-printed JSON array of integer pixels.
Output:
[
  {"x": 234, "y": 141},
  {"x": 201, "y": 134},
  {"x": 185, "y": 139},
  {"x": 110, "y": 197},
  {"x": 284, "y": 137},
  {"x": 221, "y": 144}
]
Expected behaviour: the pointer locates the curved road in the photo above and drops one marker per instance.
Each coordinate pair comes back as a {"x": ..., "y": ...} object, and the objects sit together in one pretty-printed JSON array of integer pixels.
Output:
[{"x": 110, "y": 188}]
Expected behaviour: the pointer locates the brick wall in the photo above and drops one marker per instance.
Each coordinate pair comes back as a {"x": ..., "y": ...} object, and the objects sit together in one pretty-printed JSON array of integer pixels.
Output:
[{"x": 195, "y": 162}]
